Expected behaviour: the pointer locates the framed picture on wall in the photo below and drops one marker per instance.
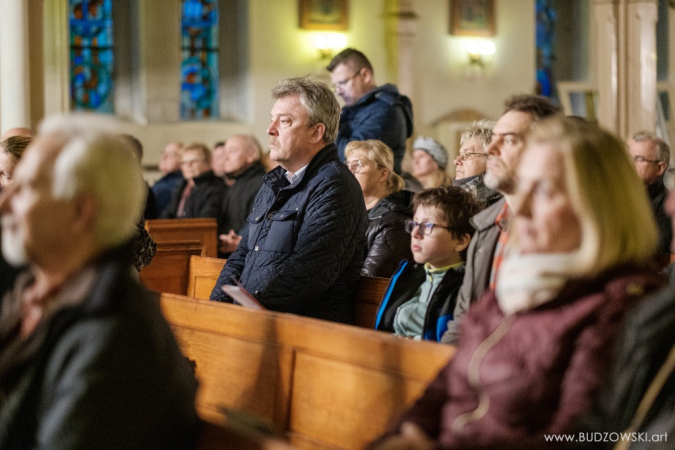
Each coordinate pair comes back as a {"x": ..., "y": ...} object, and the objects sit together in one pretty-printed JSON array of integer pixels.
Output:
[
  {"x": 472, "y": 17},
  {"x": 323, "y": 14}
]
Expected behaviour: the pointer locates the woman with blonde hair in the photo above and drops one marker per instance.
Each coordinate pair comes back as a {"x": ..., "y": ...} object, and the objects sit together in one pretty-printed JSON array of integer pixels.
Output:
[
  {"x": 533, "y": 355},
  {"x": 11, "y": 150},
  {"x": 387, "y": 242}
]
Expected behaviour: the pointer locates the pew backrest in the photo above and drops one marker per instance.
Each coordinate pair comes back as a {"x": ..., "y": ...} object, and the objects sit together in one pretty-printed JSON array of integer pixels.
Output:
[
  {"x": 204, "y": 273},
  {"x": 323, "y": 385},
  {"x": 177, "y": 240}
]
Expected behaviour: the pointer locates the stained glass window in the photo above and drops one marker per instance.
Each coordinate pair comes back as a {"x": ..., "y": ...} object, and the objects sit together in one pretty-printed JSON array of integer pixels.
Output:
[
  {"x": 91, "y": 55},
  {"x": 546, "y": 18},
  {"x": 199, "y": 69}
]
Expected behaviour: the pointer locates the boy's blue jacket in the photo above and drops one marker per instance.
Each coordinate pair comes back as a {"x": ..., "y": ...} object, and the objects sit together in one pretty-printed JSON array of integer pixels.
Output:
[{"x": 404, "y": 283}]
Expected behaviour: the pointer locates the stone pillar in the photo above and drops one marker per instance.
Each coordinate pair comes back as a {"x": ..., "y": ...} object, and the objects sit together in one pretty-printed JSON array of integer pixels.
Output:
[
  {"x": 401, "y": 33},
  {"x": 14, "y": 65},
  {"x": 626, "y": 64}
]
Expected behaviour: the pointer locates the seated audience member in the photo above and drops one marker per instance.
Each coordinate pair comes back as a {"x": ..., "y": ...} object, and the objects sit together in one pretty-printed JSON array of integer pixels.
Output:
[
  {"x": 651, "y": 156},
  {"x": 534, "y": 354},
  {"x": 145, "y": 246},
  {"x": 489, "y": 244},
  {"x": 218, "y": 160},
  {"x": 303, "y": 249},
  {"x": 86, "y": 357},
  {"x": 150, "y": 211},
  {"x": 471, "y": 163},
  {"x": 169, "y": 164},
  {"x": 429, "y": 161},
  {"x": 201, "y": 192},
  {"x": 387, "y": 242},
  {"x": 11, "y": 150},
  {"x": 640, "y": 394},
  {"x": 241, "y": 164},
  {"x": 421, "y": 297}
]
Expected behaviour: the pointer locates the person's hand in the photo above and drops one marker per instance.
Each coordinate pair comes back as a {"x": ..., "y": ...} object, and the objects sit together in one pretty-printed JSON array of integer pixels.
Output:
[
  {"x": 228, "y": 242},
  {"x": 411, "y": 438}
]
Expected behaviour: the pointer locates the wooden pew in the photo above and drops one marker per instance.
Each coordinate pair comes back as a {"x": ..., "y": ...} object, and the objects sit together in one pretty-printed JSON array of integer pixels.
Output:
[
  {"x": 177, "y": 240},
  {"x": 370, "y": 291},
  {"x": 216, "y": 436},
  {"x": 323, "y": 385},
  {"x": 204, "y": 231}
]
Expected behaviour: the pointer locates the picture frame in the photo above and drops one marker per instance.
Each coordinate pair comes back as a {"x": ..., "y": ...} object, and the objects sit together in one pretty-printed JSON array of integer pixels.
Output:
[
  {"x": 472, "y": 18},
  {"x": 325, "y": 15}
]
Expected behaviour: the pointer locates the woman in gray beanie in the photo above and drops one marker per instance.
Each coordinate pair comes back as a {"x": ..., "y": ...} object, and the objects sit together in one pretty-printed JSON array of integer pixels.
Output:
[{"x": 429, "y": 161}]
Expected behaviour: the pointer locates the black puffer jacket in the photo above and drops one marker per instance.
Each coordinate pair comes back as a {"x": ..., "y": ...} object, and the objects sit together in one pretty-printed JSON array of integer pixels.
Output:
[
  {"x": 303, "y": 249},
  {"x": 387, "y": 242},
  {"x": 205, "y": 200}
]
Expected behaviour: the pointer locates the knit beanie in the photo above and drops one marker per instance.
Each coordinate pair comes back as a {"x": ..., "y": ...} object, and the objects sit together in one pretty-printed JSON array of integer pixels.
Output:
[{"x": 434, "y": 148}]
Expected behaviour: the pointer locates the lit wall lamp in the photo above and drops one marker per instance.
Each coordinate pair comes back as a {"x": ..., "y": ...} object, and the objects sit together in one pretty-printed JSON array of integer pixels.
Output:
[
  {"x": 328, "y": 43},
  {"x": 479, "y": 51}
]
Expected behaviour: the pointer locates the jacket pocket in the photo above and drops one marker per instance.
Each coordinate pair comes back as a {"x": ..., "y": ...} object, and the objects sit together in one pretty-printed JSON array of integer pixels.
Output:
[
  {"x": 254, "y": 221},
  {"x": 281, "y": 235}
]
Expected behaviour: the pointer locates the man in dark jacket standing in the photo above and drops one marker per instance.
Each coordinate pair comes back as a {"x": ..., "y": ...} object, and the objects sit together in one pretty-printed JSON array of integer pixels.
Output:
[
  {"x": 370, "y": 112},
  {"x": 303, "y": 249},
  {"x": 86, "y": 357},
  {"x": 651, "y": 156}
]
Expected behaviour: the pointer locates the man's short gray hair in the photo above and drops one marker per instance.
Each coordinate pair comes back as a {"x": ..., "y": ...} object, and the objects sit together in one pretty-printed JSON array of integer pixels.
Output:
[
  {"x": 661, "y": 146},
  {"x": 318, "y": 100},
  {"x": 481, "y": 129},
  {"x": 95, "y": 160}
]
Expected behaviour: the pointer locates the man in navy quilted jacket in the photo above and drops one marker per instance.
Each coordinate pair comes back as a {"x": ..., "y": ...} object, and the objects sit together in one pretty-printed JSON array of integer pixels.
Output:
[
  {"x": 371, "y": 111},
  {"x": 303, "y": 248}
]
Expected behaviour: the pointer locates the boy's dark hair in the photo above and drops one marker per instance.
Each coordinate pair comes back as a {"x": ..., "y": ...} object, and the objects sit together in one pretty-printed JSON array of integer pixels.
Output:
[
  {"x": 456, "y": 205},
  {"x": 352, "y": 58},
  {"x": 537, "y": 105}
]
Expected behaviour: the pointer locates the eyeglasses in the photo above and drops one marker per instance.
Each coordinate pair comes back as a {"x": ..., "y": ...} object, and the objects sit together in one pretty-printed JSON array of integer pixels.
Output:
[
  {"x": 343, "y": 83},
  {"x": 425, "y": 227},
  {"x": 356, "y": 165},
  {"x": 464, "y": 156},
  {"x": 640, "y": 159}
]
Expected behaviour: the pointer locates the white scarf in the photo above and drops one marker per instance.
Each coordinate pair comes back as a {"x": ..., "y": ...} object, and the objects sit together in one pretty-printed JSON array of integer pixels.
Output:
[{"x": 527, "y": 281}]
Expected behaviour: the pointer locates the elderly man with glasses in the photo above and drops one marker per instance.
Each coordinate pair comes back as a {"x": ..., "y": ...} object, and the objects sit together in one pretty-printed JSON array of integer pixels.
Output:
[
  {"x": 370, "y": 111},
  {"x": 651, "y": 156},
  {"x": 471, "y": 163}
]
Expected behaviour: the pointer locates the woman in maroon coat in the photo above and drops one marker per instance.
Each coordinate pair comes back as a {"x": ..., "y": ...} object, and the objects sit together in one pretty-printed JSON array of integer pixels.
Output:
[{"x": 533, "y": 354}]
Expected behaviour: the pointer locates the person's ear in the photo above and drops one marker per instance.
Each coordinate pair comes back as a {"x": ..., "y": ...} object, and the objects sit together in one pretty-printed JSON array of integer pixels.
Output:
[
  {"x": 84, "y": 219},
  {"x": 384, "y": 174},
  {"x": 318, "y": 133},
  {"x": 662, "y": 167},
  {"x": 462, "y": 242},
  {"x": 367, "y": 75}
]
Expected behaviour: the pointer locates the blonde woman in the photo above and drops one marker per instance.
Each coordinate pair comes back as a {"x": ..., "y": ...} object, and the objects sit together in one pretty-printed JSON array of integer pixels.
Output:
[
  {"x": 533, "y": 355},
  {"x": 387, "y": 242},
  {"x": 430, "y": 159}
]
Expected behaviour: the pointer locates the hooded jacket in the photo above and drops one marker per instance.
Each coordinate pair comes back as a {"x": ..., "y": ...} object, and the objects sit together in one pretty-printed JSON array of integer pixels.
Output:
[
  {"x": 205, "y": 200},
  {"x": 303, "y": 250},
  {"x": 381, "y": 113}
]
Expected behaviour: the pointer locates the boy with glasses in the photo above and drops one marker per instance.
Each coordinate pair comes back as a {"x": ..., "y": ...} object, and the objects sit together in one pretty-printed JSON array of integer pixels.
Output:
[{"x": 421, "y": 296}]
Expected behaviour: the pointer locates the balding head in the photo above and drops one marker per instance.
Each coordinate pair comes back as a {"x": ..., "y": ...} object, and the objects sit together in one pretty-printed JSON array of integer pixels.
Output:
[
  {"x": 18, "y": 131},
  {"x": 240, "y": 152}
]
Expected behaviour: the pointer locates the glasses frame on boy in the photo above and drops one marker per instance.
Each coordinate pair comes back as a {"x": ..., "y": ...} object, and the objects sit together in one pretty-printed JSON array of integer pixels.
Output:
[{"x": 426, "y": 228}]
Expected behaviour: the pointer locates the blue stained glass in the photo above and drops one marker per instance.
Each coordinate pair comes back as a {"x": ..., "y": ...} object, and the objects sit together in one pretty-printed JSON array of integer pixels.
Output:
[
  {"x": 91, "y": 55},
  {"x": 546, "y": 18},
  {"x": 199, "y": 69}
]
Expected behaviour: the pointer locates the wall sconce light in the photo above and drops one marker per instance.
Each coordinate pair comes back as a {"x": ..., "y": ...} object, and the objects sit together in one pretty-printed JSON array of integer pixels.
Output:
[
  {"x": 479, "y": 51},
  {"x": 328, "y": 43}
]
